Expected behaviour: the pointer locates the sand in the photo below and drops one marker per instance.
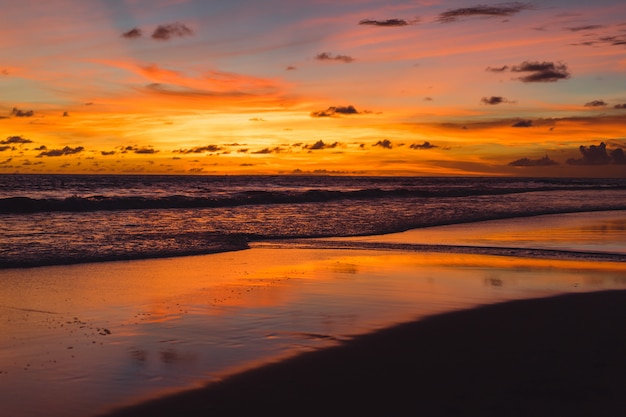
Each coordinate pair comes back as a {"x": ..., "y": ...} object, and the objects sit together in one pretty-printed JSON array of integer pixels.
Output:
[{"x": 556, "y": 356}]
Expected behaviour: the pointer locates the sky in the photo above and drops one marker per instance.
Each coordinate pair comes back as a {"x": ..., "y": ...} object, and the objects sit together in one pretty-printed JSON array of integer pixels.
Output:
[{"x": 352, "y": 87}]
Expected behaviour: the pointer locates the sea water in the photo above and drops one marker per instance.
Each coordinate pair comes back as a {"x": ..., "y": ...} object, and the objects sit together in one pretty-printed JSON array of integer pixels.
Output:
[{"x": 65, "y": 219}]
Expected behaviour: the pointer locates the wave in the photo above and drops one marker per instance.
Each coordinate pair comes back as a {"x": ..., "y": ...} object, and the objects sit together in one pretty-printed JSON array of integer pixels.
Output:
[{"x": 28, "y": 205}]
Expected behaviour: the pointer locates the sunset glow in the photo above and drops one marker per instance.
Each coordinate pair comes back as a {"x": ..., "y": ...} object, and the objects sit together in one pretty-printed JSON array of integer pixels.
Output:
[{"x": 422, "y": 87}]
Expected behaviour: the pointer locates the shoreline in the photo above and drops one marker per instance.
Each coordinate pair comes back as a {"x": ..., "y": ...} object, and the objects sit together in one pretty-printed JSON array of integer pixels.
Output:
[
  {"x": 387, "y": 241},
  {"x": 560, "y": 355}
]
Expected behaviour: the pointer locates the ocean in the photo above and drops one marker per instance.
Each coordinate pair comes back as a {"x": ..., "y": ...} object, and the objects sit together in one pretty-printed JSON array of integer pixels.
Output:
[{"x": 69, "y": 219}]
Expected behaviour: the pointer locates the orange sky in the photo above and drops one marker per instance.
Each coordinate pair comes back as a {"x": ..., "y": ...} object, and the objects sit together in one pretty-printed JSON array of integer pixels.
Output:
[{"x": 353, "y": 87}]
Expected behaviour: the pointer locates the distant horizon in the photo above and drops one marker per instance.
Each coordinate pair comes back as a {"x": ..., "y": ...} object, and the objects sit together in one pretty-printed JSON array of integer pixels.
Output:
[{"x": 393, "y": 88}]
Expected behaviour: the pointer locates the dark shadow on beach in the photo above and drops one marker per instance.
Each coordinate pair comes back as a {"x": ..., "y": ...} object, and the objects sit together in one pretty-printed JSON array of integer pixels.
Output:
[{"x": 557, "y": 356}]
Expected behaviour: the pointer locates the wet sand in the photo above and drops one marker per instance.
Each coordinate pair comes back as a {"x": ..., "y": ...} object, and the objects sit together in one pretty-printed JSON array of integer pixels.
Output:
[{"x": 557, "y": 356}]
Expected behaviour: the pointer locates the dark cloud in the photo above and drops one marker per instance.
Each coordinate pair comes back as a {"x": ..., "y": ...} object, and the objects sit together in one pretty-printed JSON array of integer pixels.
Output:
[
  {"x": 132, "y": 34},
  {"x": 15, "y": 140},
  {"x": 291, "y": 68},
  {"x": 266, "y": 151},
  {"x": 385, "y": 144},
  {"x": 494, "y": 100},
  {"x": 200, "y": 149},
  {"x": 6, "y": 148},
  {"x": 107, "y": 153},
  {"x": 503, "y": 9},
  {"x": 620, "y": 106},
  {"x": 174, "y": 30},
  {"x": 387, "y": 23},
  {"x": 527, "y": 162},
  {"x": 618, "y": 156},
  {"x": 337, "y": 111},
  {"x": 22, "y": 113},
  {"x": 425, "y": 145},
  {"x": 61, "y": 152},
  {"x": 597, "y": 155},
  {"x": 327, "y": 56},
  {"x": 542, "y": 71},
  {"x": 144, "y": 150},
  {"x": 320, "y": 145},
  {"x": 523, "y": 123},
  {"x": 596, "y": 103},
  {"x": 537, "y": 71}
]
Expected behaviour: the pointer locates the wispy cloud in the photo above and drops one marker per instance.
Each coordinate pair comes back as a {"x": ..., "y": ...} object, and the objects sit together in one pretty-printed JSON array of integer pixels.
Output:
[
  {"x": 22, "y": 113},
  {"x": 337, "y": 111},
  {"x": 596, "y": 103},
  {"x": 498, "y": 10},
  {"x": 388, "y": 22},
  {"x": 327, "y": 56},
  {"x": 200, "y": 149},
  {"x": 527, "y": 162},
  {"x": 174, "y": 30},
  {"x": 133, "y": 34}
]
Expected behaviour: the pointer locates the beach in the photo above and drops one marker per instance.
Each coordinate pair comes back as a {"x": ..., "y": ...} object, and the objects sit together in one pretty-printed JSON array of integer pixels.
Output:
[{"x": 96, "y": 338}]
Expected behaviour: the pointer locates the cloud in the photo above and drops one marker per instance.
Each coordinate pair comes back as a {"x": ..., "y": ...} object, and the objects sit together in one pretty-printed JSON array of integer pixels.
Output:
[
  {"x": 597, "y": 155},
  {"x": 494, "y": 100},
  {"x": 132, "y": 34},
  {"x": 596, "y": 103},
  {"x": 620, "y": 106},
  {"x": 503, "y": 9},
  {"x": 15, "y": 140},
  {"x": 527, "y": 162},
  {"x": 22, "y": 113},
  {"x": 290, "y": 68},
  {"x": 107, "y": 153},
  {"x": 523, "y": 123},
  {"x": 385, "y": 144},
  {"x": 320, "y": 145},
  {"x": 6, "y": 148},
  {"x": 542, "y": 71},
  {"x": 607, "y": 40},
  {"x": 537, "y": 71},
  {"x": 174, "y": 30},
  {"x": 388, "y": 22},
  {"x": 61, "y": 152},
  {"x": 200, "y": 149},
  {"x": 497, "y": 69},
  {"x": 583, "y": 28},
  {"x": 425, "y": 145},
  {"x": 266, "y": 151},
  {"x": 145, "y": 150},
  {"x": 327, "y": 56},
  {"x": 337, "y": 111}
]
